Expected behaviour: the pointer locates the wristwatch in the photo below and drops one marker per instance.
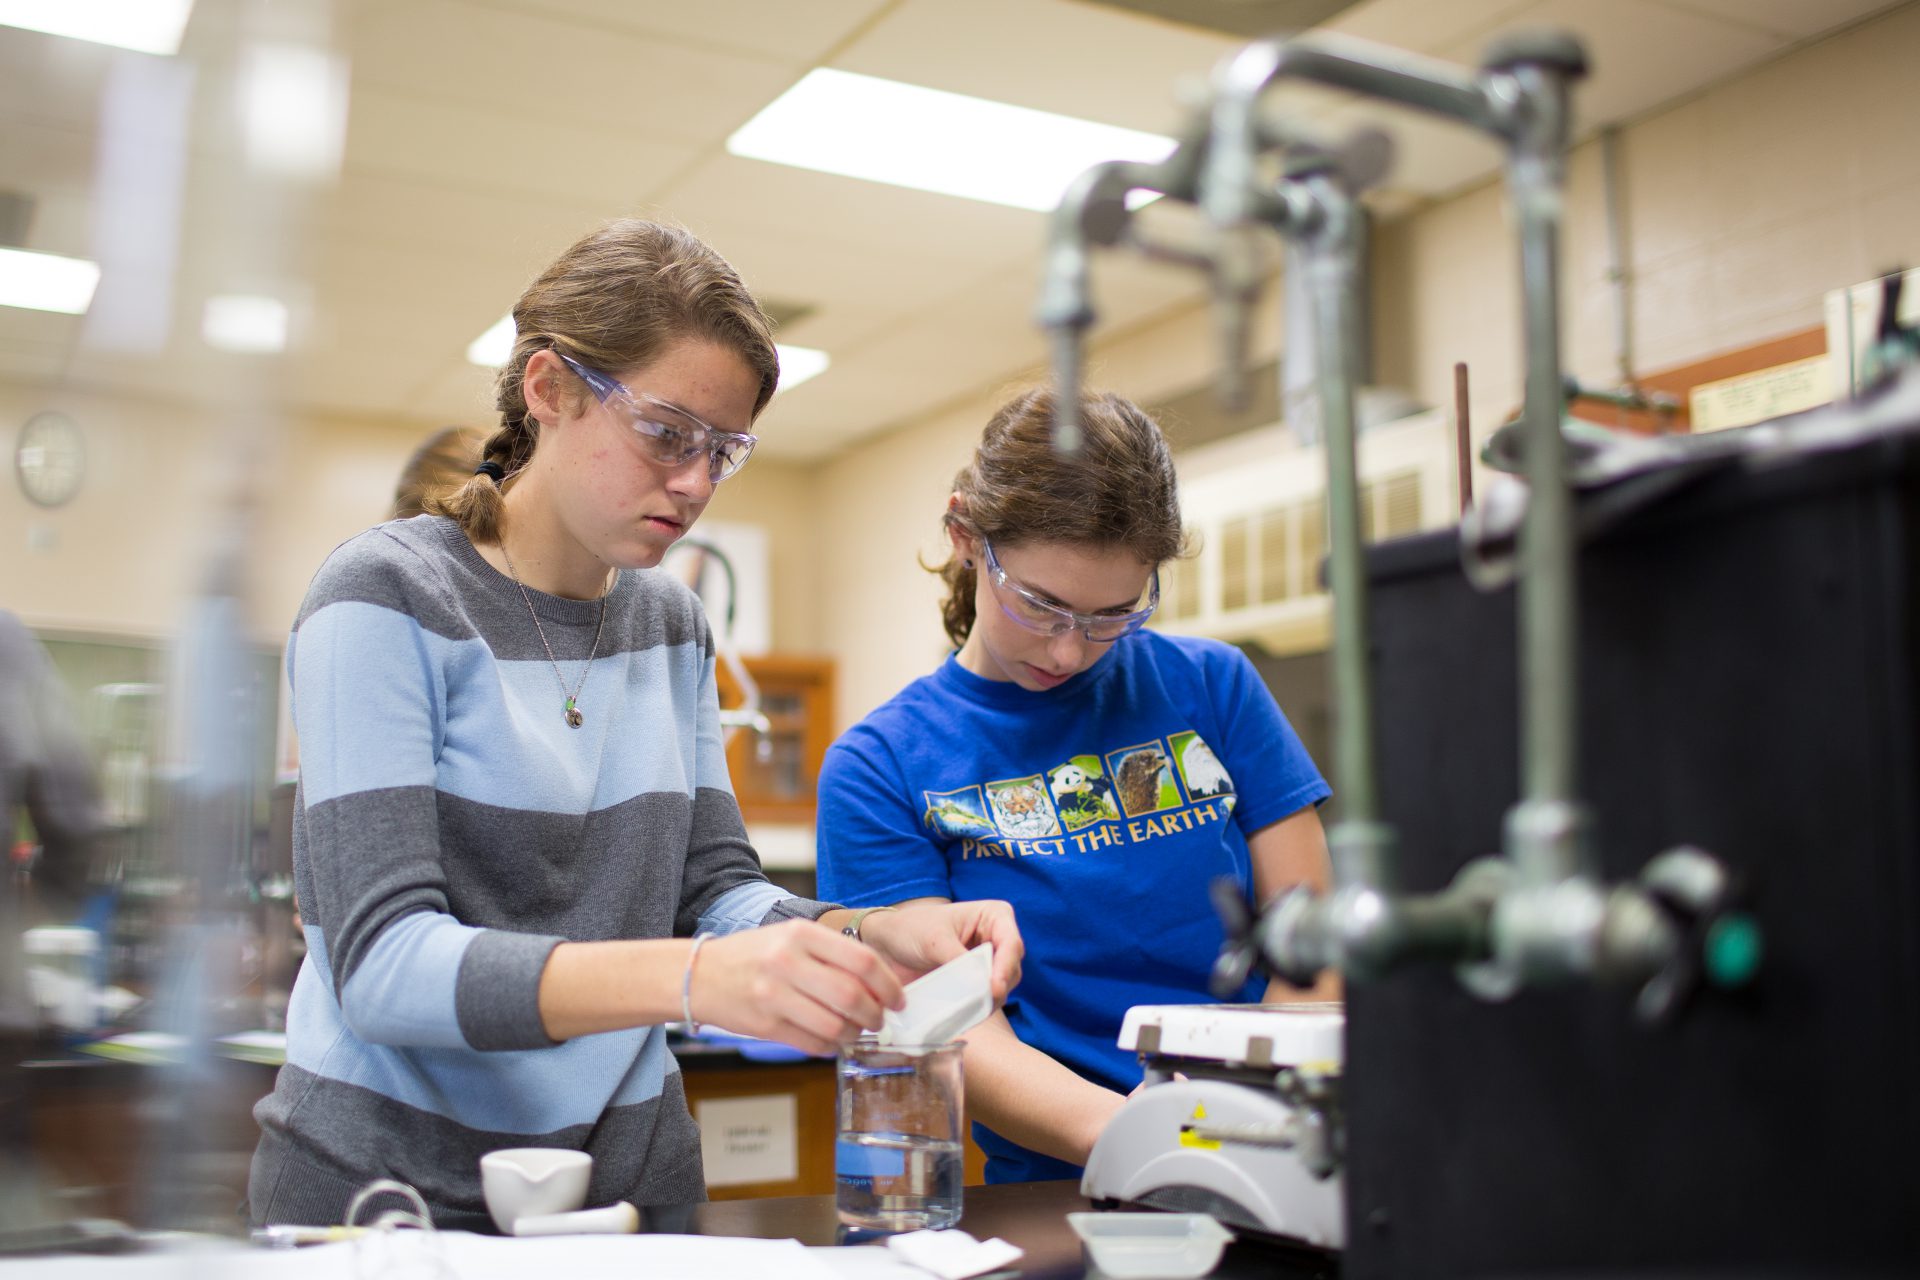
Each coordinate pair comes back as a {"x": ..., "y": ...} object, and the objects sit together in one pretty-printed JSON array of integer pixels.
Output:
[{"x": 852, "y": 927}]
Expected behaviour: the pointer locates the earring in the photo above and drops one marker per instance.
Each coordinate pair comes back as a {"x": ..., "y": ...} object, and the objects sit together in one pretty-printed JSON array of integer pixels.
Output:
[{"x": 967, "y": 563}]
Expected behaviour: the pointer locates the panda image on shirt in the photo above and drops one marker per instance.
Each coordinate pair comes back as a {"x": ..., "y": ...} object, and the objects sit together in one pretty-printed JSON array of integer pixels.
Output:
[{"x": 1081, "y": 794}]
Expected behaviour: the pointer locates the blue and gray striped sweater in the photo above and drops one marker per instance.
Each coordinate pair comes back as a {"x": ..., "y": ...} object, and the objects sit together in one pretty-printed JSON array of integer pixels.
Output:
[{"x": 451, "y": 830}]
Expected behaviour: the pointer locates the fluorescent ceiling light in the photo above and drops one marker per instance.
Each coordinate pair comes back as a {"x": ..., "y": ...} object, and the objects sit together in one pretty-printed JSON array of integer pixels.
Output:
[
  {"x": 494, "y": 347},
  {"x": 491, "y": 349},
  {"x": 46, "y": 281},
  {"x": 245, "y": 322},
  {"x": 145, "y": 26},
  {"x": 799, "y": 364},
  {"x": 909, "y": 136},
  {"x": 292, "y": 104}
]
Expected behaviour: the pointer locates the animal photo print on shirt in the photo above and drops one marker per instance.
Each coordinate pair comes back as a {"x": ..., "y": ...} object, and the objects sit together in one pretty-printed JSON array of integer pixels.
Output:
[{"x": 1126, "y": 795}]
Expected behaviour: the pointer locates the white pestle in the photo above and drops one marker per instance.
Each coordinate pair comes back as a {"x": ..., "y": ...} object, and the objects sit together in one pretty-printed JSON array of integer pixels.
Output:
[{"x": 616, "y": 1219}]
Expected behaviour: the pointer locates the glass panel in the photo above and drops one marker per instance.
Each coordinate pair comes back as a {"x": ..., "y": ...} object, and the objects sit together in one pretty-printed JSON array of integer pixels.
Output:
[
  {"x": 1276, "y": 554},
  {"x": 1313, "y": 546},
  {"x": 1189, "y": 587},
  {"x": 1234, "y": 586},
  {"x": 789, "y": 780}
]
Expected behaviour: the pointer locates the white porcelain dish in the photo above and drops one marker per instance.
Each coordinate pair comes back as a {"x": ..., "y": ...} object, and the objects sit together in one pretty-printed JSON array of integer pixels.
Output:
[{"x": 523, "y": 1182}]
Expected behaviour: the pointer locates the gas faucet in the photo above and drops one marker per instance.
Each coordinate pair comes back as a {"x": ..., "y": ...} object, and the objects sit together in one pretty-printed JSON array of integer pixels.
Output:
[
  {"x": 1094, "y": 212},
  {"x": 1540, "y": 913}
]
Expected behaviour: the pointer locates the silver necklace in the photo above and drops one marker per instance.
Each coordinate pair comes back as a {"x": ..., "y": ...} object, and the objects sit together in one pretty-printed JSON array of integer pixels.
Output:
[{"x": 573, "y": 711}]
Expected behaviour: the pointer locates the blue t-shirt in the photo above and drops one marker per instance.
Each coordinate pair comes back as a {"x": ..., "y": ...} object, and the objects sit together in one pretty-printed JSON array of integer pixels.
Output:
[{"x": 1101, "y": 810}]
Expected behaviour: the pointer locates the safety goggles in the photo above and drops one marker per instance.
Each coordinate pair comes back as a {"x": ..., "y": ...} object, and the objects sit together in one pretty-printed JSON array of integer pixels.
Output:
[
  {"x": 1036, "y": 613},
  {"x": 671, "y": 436}
]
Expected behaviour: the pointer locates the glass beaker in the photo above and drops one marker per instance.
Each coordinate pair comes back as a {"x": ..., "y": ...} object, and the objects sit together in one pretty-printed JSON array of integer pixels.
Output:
[{"x": 898, "y": 1158}]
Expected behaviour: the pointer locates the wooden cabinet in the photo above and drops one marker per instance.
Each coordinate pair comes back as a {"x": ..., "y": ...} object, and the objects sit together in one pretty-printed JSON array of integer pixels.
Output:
[
  {"x": 776, "y": 770},
  {"x": 810, "y": 1084}
]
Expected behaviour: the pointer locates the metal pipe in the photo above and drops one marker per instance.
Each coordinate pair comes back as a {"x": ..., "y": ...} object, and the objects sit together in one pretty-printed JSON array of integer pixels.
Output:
[
  {"x": 1367, "y": 69},
  {"x": 1093, "y": 211},
  {"x": 1521, "y": 98},
  {"x": 1367, "y": 934},
  {"x": 1546, "y": 846},
  {"x": 1066, "y": 313},
  {"x": 1330, "y": 243},
  {"x": 1229, "y": 193}
]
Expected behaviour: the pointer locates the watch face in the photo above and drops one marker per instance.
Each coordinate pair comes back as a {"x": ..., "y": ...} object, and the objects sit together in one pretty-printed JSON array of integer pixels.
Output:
[{"x": 50, "y": 458}]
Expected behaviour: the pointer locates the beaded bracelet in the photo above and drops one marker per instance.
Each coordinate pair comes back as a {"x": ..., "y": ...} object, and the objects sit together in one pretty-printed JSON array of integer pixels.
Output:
[{"x": 686, "y": 985}]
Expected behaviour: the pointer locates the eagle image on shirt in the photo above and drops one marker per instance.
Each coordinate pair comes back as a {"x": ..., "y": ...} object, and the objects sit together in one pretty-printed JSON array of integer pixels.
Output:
[{"x": 1200, "y": 768}]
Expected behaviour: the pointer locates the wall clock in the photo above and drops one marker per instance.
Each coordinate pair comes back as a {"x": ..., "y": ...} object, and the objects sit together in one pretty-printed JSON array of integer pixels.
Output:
[{"x": 50, "y": 458}]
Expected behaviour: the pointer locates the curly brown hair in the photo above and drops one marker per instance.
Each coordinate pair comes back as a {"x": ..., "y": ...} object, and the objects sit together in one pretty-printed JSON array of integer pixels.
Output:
[{"x": 1119, "y": 491}]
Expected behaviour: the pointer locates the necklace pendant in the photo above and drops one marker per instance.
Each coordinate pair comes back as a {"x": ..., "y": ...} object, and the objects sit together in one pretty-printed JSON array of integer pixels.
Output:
[{"x": 573, "y": 715}]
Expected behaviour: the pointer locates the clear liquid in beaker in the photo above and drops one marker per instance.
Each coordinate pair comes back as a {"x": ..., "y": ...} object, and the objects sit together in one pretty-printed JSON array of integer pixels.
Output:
[{"x": 898, "y": 1181}]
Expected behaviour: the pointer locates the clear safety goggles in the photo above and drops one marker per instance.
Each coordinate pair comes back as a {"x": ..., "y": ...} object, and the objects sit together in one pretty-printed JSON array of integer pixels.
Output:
[
  {"x": 671, "y": 436},
  {"x": 1036, "y": 613}
]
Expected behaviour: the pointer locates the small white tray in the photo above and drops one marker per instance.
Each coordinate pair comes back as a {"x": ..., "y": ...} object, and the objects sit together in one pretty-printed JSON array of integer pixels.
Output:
[{"x": 1135, "y": 1246}]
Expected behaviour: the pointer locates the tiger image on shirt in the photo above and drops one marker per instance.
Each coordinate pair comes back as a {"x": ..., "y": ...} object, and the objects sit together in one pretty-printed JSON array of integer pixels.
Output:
[{"x": 1022, "y": 809}]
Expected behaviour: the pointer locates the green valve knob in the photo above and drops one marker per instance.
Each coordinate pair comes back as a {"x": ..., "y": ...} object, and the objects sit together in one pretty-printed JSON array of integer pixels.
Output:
[{"x": 1733, "y": 950}]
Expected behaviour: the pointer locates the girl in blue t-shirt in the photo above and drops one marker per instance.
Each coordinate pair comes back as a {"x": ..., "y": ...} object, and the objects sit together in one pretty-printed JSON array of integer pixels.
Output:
[{"x": 1095, "y": 775}]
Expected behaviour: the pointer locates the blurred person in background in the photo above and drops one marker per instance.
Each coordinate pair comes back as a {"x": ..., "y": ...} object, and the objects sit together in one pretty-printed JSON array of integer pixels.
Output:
[
  {"x": 444, "y": 461},
  {"x": 46, "y": 778}
]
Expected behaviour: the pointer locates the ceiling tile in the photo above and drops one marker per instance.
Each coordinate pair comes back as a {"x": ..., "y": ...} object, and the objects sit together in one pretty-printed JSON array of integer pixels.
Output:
[
  {"x": 507, "y": 236},
  {"x": 1421, "y": 25},
  {"x": 1642, "y": 52},
  {"x": 1052, "y": 55},
  {"x": 867, "y": 216},
  {"x": 796, "y": 33},
  {"x": 854, "y": 293},
  {"x": 561, "y": 72},
  {"x": 49, "y": 80},
  {"x": 504, "y": 150},
  {"x": 1791, "y": 19}
]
